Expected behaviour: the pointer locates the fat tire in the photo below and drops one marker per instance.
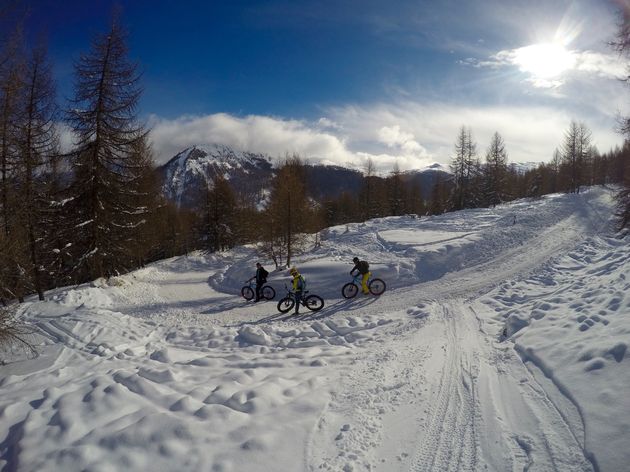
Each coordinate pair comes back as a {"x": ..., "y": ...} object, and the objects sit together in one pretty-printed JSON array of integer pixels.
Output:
[
  {"x": 314, "y": 302},
  {"x": 349, "y": 290},
  {"x": 377, "y": 287},
  {"x": 268, "y": 293},
  {"x": 286, "y": 304},
  {"x": 247, "y": 292}
]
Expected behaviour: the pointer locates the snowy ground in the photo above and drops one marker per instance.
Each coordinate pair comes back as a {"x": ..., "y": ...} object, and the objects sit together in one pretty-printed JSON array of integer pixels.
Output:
[{"x": 500, "y": 344}]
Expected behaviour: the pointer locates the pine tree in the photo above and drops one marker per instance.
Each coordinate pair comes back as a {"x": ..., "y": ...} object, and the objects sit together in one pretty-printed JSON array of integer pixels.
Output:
[{"x": 104, "y": 120}]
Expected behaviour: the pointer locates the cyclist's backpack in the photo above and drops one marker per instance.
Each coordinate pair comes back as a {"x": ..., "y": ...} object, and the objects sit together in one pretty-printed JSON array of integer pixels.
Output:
[
  {"x": 301, "y": 280},
  {"x": 263, "y": 274},
  {"x": 363, "y": 267}
]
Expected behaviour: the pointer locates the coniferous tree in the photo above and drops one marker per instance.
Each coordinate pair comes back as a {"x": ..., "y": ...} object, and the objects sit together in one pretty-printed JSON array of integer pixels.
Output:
[
  {"x": 36, "y": 142},
  {"x": 142, "y": 194},
  {"x": 288, "y": 211},
  {"x": 575, "y": 151},
  {"x": 367, "y": 191},
  {"x": 439, "y": 196},
  {"x": 622, "y": 44},
  {"x": 12, "y": 254},
  {"x": 11, "y": 84},
  {"x": 495, "y": 172},
  {"x": 415, "y": 201},
  {"x": 103, "y": 118},
  {"x": 623, "y": 196},
  {"x": 219, "y": 212},
  {"x": 396, "y": 192},
  {"x": 466, "y": 170},
  {"x": 555, "y": 166}
]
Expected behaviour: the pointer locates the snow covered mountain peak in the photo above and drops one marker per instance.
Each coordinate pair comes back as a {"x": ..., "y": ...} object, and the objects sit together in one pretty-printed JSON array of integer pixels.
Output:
[
  {"x": 196, "y": 167},
  {"x": 218, "y": 154}
]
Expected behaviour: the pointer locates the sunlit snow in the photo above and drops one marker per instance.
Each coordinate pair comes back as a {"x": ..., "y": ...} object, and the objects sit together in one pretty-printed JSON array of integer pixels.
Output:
[{"x": 500, "y": 344}]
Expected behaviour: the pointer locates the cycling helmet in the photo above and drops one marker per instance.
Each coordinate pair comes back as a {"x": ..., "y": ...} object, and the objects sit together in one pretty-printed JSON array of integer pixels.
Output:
[
  {"x": 293, "y": 271},
  {"x": 355, "y": 260}
]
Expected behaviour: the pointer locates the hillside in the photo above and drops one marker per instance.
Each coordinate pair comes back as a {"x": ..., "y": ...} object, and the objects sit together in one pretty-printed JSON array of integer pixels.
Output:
[
  {"x": 250, "y": 175},
  {"x": 500, "y": 344}
]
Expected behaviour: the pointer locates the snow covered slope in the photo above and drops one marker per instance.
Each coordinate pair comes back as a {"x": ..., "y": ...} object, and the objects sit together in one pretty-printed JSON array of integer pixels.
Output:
[
  {"x": 195, "y": 167},
  {"x": 500, "y": 344}
]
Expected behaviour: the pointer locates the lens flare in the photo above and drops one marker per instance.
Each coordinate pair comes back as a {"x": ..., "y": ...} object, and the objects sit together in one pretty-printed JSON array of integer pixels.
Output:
[{"x": 544, "y": 60}]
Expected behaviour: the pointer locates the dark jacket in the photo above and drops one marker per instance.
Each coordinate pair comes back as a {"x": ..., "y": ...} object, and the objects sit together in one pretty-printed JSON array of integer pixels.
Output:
[
  {"x": 362, "y": 266},
  {"x": 261, "y": 275}
]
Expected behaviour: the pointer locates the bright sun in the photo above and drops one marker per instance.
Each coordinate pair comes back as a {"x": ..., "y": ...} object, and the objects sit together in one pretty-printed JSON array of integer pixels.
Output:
[{"x": 544, "y": 60}]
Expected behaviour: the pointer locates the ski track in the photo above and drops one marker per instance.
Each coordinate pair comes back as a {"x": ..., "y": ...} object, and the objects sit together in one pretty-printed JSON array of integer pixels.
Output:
[
  {"x": 451, "y": 431},
  {"x": 427, "y": 378}
]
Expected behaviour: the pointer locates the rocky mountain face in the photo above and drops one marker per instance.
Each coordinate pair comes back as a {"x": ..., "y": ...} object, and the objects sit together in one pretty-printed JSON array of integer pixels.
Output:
[{"x": 186, "y": 175}]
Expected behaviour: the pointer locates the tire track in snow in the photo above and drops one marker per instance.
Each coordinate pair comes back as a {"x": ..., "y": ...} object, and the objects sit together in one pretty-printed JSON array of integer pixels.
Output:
[
  {"x": 448, "y": 443},
  {"x": 464, "y": 431}
]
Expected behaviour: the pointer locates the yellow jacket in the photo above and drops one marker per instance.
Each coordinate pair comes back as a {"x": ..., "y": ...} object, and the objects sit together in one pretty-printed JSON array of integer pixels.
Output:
[{"x": 298, "y": 282}]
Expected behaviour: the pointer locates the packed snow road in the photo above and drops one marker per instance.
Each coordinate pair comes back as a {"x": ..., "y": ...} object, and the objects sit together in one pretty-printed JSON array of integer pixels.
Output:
[{"x": 453, "y": 368}]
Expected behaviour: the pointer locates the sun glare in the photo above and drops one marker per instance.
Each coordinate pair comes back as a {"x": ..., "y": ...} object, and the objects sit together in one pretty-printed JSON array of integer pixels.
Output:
[{"x": 544, "y": 60}]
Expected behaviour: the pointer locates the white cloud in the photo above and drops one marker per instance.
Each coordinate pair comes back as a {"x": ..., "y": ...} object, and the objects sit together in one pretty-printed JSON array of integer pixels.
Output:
[
  {"x": 393, "y": 137},
  {"x": 549, "y": 65},
  {"x": 274, "y": 136},
  {"x": 413, "y": 135},
  {"x": 604, "y": 65},
  {"x": 66, "y": 137}
]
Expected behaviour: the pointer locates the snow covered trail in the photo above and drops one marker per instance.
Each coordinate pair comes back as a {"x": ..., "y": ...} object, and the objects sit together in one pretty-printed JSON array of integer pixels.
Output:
[
  {"x": 463, "y": 401},
  {"x": 451, "y": 369}
]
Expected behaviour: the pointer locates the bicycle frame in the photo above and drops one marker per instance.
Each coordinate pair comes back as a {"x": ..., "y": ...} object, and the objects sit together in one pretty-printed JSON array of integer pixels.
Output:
[
  {"x": 291, "y": 293},
  {"x": 358, "y": 279}
]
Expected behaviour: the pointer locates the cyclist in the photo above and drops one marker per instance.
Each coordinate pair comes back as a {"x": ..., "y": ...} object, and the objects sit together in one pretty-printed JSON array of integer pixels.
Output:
[
  {"x": 363, "y": 268},
  {"x": 299, "y": 284},
  {"x": 261, "y": 279}
]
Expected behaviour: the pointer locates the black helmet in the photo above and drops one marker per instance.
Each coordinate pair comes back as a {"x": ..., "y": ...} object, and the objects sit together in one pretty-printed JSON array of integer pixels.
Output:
[{"x": 355, "y": 260}]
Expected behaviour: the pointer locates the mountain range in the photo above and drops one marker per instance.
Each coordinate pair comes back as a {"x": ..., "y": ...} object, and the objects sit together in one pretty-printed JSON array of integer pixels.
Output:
[{"x": 187, "y": 173}]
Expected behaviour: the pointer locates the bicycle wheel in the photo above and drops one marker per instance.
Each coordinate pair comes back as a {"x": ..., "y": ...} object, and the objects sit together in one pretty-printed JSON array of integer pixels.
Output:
[
  {"x": 314, "y": 302},
  {"x": 268, "y": 292},
  {"x": 247, "y": 292},
  {"x": 349, "y": 290},
  {"x": 286, "y": 304},
  {"x": 377, "y": 287}
]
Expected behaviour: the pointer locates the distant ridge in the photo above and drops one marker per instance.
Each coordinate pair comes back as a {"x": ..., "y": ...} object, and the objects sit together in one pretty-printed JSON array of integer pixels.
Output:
[{"x": 193, "y": 169}]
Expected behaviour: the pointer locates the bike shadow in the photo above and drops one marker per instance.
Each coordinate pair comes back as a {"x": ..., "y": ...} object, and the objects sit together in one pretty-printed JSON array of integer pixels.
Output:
[
  {"x": 267, "y": 319},
  {"x": 227, "y": 304},
  {"x": 337, "y": 307}
]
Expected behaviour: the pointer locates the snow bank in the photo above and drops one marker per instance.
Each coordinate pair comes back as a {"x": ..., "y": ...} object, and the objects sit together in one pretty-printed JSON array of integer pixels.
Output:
[{"x": 572, "y": 321}]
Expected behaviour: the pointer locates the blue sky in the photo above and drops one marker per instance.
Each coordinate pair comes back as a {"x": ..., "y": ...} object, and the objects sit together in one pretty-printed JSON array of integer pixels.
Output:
[{"x": 341, "y": 81}]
